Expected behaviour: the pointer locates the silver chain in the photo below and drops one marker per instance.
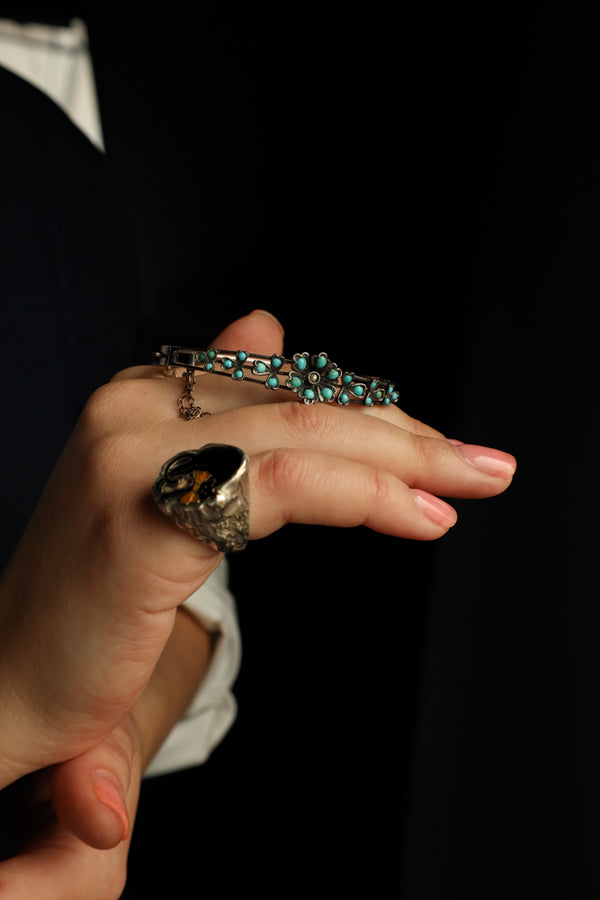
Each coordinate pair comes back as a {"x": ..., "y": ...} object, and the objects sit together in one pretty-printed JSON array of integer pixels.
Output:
[{"x": 185, "y": 403}]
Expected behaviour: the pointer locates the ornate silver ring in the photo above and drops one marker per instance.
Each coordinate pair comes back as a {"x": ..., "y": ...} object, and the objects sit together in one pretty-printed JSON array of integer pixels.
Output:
[{"x": 205, "y": 492}]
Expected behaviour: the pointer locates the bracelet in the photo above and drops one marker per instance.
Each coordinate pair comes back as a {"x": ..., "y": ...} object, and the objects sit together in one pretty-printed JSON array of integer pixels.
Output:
[{"x": 313, "y": 378}]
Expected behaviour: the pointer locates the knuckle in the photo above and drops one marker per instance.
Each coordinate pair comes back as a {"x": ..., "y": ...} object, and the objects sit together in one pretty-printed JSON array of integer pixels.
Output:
[
  {"x": 104, "y": 459},
  {"x": 302, "y": 420},
  {"x": 379, "y": 488},
  {"x": 280, "y": 468},
  {"x": 104, "y": 408},
  {"x": 423, "y": 450},
  {"x": 120, "y": 748},
  {"x": 107, "y": 430},
  {"x": 120, "y": 405}
]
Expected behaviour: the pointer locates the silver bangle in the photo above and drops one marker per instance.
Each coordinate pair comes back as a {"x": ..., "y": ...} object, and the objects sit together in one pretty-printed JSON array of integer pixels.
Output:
[{"x": 314, "y": 378}]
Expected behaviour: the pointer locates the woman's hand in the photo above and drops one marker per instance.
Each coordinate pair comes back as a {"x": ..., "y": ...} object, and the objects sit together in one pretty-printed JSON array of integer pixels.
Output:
[
  {"x": 76, "y": 818},
  {"x": 90, "y": 596},
  {"x": 55, "y": 862}
]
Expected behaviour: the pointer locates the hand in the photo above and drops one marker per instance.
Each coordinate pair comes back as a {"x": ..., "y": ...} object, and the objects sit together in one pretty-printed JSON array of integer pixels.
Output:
[
  {"x": 69, "y": 826},
  {"x": 55, "y": 861},
  {"x": 90, "y": 596}
]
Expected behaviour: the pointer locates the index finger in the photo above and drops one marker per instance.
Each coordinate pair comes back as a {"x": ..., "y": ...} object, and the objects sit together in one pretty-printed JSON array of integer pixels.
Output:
[{"x": 222, "y": 394}]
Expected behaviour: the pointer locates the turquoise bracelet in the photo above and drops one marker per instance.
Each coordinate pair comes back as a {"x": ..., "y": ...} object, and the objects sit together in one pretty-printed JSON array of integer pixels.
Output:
[{"x": 314, "y": 378}]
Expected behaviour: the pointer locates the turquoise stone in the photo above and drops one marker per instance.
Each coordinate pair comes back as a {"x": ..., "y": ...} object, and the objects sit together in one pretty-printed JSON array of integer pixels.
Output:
[
  {"x": 358, "y": 389},
  {"x": 211, "y": 354},
  {"x": 320, "y": 362},
  {"x": 301, "y": 363},
  {"x": 273, "y": 381},
  {"x": 261, "y": 368},
  {"x": 296, "y": 382},
  {"x": 343, "y": 398},
  {"x": 327, "y": 393},
  {"x": 333, "y": 374},
  {"x": 209, "y": 367},
  {"x": 242, "y": 356},
  {"x": 239, "y": 374},
  {"x": 276, "y": 362},
  {"x": 373, "y": 385},
  {"x": 308, "y": 394},
  {"x": 387, "y": 401},
  {"x": 347, "y": 379},
  {"x": 200, "y": 357},
  {"x": 227, "y": 364},
  {"x": 368, "y": 401}
]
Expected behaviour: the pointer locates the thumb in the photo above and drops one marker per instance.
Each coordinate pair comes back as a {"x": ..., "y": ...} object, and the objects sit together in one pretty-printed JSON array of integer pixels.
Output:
[
  {"x": 258, "y": 332},
  {"x": 95, "y": 794}
]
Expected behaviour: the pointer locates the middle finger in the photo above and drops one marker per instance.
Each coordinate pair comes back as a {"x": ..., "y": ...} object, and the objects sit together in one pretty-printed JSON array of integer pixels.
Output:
[{"x": 423, "y": 461}]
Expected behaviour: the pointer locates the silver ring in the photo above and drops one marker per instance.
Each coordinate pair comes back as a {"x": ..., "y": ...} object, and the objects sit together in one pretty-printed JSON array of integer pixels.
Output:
[
  {"x": 313, "y": 378},
  {"x": 205, "y": 492}
]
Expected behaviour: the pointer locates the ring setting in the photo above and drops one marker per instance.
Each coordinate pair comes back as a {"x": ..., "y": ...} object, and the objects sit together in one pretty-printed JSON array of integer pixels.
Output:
[{"x": 205, "y": 492}]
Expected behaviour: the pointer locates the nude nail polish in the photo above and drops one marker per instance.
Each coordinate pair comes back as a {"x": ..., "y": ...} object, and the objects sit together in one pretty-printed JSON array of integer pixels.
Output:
[
  {"x": 109, "y": 794},
  {"x": 436, "y": 510},
  {"x": 486, "y": 459}
]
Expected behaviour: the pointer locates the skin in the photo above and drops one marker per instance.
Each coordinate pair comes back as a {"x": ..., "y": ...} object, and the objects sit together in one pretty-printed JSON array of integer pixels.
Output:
[
  {"x": 97, "y": 660},
  {"x": 78, "y": 847}
]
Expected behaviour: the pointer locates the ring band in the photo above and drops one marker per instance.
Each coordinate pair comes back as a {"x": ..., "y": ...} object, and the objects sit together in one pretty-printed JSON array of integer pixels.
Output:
[
  {"x": 205, "y": 492},
  {"x": 313, "y": 378}
]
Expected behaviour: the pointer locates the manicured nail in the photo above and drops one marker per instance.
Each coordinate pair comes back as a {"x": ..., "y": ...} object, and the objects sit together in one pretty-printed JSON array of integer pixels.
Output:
[
  {"x": 486, "y": 459},
  {"x": 435, "y": 509},
  {"x": 264, "y": 312},
  {"x": 109, "y": 794}
]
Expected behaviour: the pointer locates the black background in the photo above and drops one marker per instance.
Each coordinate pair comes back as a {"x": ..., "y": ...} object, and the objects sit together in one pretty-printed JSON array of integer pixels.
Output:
[{"x": 416, "y": 191}]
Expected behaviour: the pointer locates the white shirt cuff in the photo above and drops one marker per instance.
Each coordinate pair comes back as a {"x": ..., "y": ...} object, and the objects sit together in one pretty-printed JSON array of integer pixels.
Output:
[{"x": 213, "y": 710}]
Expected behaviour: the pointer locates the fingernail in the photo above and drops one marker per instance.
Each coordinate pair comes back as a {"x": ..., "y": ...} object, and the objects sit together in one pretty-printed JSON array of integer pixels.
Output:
[
  {"x": 109, "y": 794},
  {"x": 264, "y": 312},
  {"x": 436, "y": 510},
  {"x": 486, "y": 459}
]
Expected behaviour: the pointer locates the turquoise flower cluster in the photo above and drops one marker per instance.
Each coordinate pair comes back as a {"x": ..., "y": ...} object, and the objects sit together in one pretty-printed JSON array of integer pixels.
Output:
[
  {"x": 314, "y": 378},
  {"x": 270, "y": 370},
  {"x": 235, "y": 366}
]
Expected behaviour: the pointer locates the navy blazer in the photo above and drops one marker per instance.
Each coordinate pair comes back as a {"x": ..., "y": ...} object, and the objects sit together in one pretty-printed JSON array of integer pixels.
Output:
[{"x": 68, "y": 285}]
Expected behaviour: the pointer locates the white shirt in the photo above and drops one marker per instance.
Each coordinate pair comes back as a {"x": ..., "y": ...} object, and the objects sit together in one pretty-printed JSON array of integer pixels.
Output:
[{"x": 213, "y": 710}]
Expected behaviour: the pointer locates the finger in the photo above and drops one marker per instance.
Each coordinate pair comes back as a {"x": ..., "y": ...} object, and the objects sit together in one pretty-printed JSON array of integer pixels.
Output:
[
  {"x": 258, "y": 332},
  {"x": 252, "y": 333},
  {"x": 60, "y": 867},
  {"x": 432, "y": 464},
  {"x": 310, "y": 488},
  {"x": 89, "y": 792},
  {"x": 397, "y": 416},
  {"x": 220, "y": 394}
]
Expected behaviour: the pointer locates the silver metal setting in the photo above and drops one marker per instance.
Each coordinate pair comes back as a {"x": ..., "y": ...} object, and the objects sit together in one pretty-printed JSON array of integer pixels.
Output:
[
  {"x": 205, "y": 492},
  {"x": 314, "y": 378}
]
